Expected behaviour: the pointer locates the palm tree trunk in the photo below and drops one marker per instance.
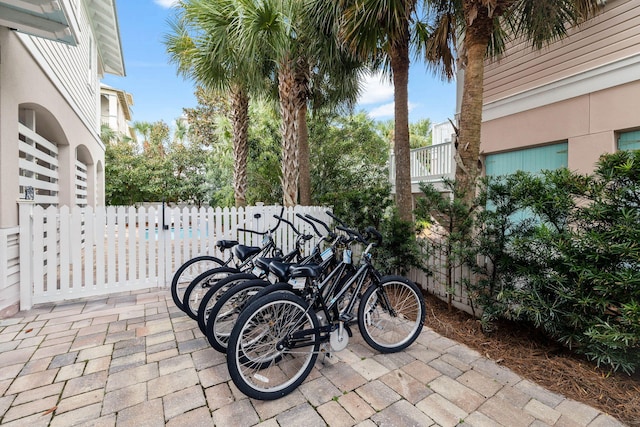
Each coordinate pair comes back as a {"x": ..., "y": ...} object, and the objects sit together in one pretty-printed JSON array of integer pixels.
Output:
[
  {"x": 240, "y": 121},
  {"x": 303, "y": 156},
  {"x": 400, "y": 69},
  {"x": 302, "y": 131},
  {"x": 286, "y": 92},
  {"x": 468, "y": 148}
]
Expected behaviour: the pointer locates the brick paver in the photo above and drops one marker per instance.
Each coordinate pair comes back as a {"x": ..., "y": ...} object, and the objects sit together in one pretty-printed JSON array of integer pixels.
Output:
[{"x": 136, "y": 360}]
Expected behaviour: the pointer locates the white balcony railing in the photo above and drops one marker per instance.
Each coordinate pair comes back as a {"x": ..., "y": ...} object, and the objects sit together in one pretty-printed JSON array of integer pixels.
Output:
[{"x": 428, "y": 164}]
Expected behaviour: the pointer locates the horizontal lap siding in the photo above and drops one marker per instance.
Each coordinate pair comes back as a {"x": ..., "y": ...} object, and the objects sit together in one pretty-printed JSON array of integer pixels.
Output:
[
  {"x": 611, "y": 36},
  {"x": 70, "y": 65}
]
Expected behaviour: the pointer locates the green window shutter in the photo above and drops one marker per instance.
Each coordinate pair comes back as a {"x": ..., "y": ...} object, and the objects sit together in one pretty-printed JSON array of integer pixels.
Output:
[
  {"x": 629, "y": 141},
  {"x": 532, "y": 160}
]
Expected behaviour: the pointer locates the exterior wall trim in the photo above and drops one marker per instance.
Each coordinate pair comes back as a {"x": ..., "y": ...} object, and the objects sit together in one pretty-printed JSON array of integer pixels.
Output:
[{"x": 599, "y": 78}]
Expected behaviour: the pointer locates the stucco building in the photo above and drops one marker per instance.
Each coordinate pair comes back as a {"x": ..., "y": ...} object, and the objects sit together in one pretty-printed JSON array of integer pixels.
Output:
[
  {"x": 52, "y": 57},
  {"x": 568, "y": 103}
]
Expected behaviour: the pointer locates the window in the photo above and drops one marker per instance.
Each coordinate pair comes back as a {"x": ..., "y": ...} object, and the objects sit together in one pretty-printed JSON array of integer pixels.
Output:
[
  {"x": 629, "y": 141},
  {"x": 528, "y": 160},
  {"x": 532, "y": 160}
]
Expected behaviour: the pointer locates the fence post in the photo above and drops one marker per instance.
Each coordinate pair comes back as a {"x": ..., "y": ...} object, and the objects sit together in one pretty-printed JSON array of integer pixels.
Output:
[{"x": 25, "y": 219}]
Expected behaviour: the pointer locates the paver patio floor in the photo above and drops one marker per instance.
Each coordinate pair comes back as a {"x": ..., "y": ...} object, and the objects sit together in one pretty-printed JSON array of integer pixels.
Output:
[{"x": 136, "y": 360}]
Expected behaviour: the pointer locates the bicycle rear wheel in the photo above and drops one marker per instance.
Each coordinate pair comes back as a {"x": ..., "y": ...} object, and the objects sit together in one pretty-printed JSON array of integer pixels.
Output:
[
  {"x": 189, "y": 271},
  {"x": 224, "y": 313},
  {"x": 265, "y": 359},
  {"x": 391, "y": 314}
]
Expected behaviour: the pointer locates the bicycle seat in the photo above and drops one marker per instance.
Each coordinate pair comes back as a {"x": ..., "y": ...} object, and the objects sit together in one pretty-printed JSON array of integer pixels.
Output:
[
  {"x": 226, "y": 244},
  {"x": 306, "y": 270},
  {"x": 242, "y": 252},
  {"x": 280, "y": 269},
  {"x": 263, "y": 262}
]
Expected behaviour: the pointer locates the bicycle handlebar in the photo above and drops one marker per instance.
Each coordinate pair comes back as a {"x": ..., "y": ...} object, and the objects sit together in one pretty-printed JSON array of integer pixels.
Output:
[
  {"x": 319, "y": 221},
  {"x": 375, "y": 232},
  {"x": 352, "y": 232},
  {"x": 310, "y": 223},
  {"x": 262, "y": 233},
  {"x": 338, "y": 220},
  {"x": 293, "y": 227}
]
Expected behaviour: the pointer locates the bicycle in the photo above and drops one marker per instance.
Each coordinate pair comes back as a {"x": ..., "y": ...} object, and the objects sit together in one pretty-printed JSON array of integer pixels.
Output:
[
  {"x": 258, "y": 274},
  {"x": 194, "y": 267},
  {"x": 276, "y": 340},
  {"x": 222, "y": 313}
]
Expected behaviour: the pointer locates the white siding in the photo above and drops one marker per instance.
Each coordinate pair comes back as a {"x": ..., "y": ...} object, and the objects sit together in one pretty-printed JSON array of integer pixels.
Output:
[{"x": 72, "y": 68}]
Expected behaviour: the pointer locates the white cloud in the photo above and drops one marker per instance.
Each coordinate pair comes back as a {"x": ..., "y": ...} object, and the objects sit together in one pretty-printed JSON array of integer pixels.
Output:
[
  {"x": 166, "y": 3},
  {"x": 386, "y": 110},
  {"x": 375, "y": 89},
  {"x": 382, "y": 111}
]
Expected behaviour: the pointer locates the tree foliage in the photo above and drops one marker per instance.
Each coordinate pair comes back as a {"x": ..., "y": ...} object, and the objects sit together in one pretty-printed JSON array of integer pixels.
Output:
[{"x": 159, "y": 169}]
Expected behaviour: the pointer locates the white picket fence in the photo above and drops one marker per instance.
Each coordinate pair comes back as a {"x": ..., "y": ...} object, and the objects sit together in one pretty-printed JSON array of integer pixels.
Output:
[
  {"x": 449, "y": 286},
  {"x": 82, "y": 252}
]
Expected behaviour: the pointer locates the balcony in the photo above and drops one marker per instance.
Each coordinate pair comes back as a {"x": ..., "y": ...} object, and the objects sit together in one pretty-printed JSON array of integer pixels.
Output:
[{"x": 428, "y": 164}]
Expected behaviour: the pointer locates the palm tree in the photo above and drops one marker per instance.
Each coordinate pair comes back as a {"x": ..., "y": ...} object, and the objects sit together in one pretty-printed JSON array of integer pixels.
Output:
[
  {"x": 272, "y": 27},
  {"x": 486, "y": 25},
  {"x": 238, "y": 46},
  {"x": 144, "y": 129},
  {"x": 180, "y": 132},
  {"x": 204, "y": 47},
  {"x": 383, "y": 32},
  {"x": 327, "y": 78},
  {"x": 108, "y": 135}
]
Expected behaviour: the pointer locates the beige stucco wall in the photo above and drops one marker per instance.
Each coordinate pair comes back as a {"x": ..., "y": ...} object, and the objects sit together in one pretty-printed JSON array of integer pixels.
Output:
[
  {"x": 23, "y": 82},
  {"x": 589, "y": 123}
]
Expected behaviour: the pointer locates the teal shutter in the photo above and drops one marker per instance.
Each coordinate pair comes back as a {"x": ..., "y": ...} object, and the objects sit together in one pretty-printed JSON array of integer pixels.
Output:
[
  {"x": 629, "y": 141},
  {"x": 532, "y": 160}
]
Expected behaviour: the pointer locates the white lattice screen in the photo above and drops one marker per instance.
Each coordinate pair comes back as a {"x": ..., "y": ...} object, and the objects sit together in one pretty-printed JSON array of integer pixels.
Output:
[{"x": 38, "y": 165}]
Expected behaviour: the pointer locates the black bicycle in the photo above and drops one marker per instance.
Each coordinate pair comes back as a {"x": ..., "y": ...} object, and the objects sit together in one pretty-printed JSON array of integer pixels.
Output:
[
  {"x": 236, "y": 256},
  {"x": 277, "y": 338}
]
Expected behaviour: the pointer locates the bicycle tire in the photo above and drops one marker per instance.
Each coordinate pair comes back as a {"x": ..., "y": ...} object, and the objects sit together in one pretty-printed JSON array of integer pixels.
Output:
[
  {"x": 213, "y": 293},
  {"x": 189, "y": 271},
  {"x": 198, "y": 287},
  {"x": 257, "y": 366},
  {"x": 391, "y": 314},
  {"x": 274, "y": 287},
  {"x": 224, "y": 313}
]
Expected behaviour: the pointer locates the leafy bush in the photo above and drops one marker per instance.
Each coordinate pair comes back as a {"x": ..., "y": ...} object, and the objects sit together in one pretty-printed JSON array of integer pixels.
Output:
[
  {"x": 400, "y": 250},
  {"x": 452, "y": 222},
  {"x": 565, "y": 256}
]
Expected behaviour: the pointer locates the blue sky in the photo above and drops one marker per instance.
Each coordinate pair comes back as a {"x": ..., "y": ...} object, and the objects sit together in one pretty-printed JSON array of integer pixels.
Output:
[{"x": 160, "y": 94}]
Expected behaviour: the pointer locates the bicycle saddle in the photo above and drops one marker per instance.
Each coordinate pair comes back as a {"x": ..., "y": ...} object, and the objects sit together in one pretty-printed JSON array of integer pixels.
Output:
[
  {"x": 263, "y": 262},
  {"x": 243, "y": 252},
  {"x": 280, "y": 269},
  {"x": 226, "y": 244},
  {"x": 306, "y": 270}
]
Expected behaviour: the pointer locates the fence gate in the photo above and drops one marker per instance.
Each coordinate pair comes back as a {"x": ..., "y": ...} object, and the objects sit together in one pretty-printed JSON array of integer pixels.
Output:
[{"x": 81, "y": 252}]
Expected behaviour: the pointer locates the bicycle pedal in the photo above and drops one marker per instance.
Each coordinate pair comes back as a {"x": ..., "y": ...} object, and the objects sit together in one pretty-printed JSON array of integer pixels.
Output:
[{"x": 346, "y": 318}]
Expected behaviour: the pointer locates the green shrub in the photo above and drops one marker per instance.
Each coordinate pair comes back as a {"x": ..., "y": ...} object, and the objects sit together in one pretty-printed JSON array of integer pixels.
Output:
[
  {"x": 565, "y": 256},
  {"x": 400, "y": 250}
]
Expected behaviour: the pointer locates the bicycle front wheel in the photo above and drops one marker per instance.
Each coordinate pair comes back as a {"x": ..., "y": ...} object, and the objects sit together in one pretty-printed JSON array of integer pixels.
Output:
[
  {"x": 391, "y": 314},
  {"x": 208, "y": 301},
  {"x": 189, "y": 271},
  {"x": 199, "y": 287},
  {"x": 273, "y": 346}
]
